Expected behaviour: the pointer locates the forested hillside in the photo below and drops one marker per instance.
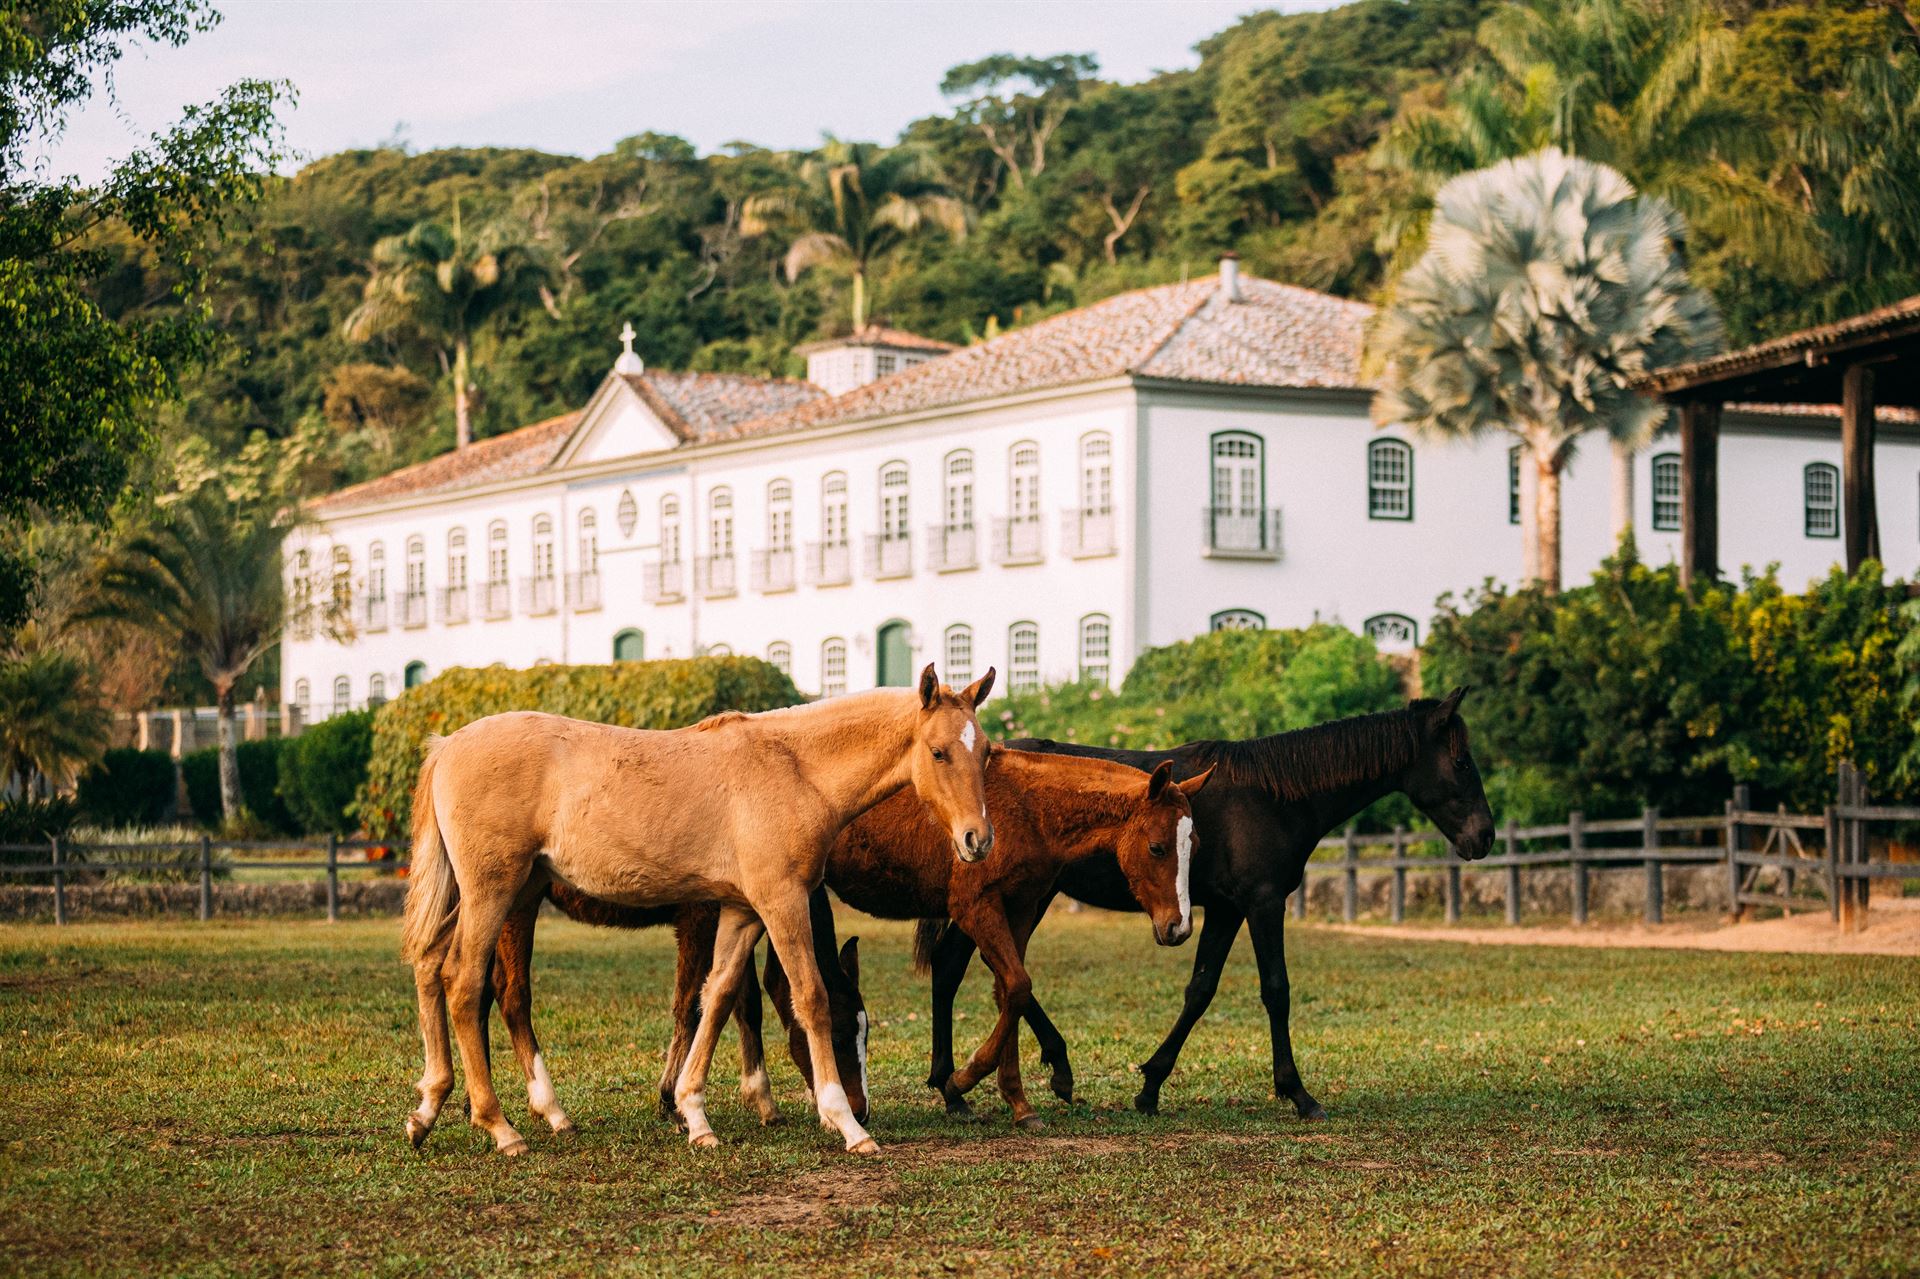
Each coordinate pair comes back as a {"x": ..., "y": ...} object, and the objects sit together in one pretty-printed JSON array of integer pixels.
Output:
[{"x": 1309, "y": 143}]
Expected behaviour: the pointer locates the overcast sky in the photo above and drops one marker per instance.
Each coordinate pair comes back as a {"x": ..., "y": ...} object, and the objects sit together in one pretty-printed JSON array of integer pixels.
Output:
[{"x": 574, "y": 76}]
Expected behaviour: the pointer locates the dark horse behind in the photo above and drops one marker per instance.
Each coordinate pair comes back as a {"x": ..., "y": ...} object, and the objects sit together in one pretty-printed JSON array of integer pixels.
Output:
[{"x": 1270, "y": 802}]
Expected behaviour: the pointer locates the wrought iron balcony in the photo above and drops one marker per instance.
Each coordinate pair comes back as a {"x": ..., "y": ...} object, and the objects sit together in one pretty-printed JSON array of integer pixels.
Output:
[
  {"x": 497, "y": 601},
  {"x": 1085, "y": 534},
  {"x": 583, "y": 591},
  {"x": 1019, "y": 540},
  {"x": 889, "y": 557},
  {"x": 663, "y": 582},
  {"x": 1241, "y": 533},
  {"x": 952, "y": 547},
  {"x": 773, "y": 571},
  {"x": 453, "y": 605},
  {"x": 539, "y": 595},
  {"x": 413, "y": 609},
  {"x": 829, "y": 563},
  {"x": 374, "y": 614},
  {"x": 716, "y": 575}
]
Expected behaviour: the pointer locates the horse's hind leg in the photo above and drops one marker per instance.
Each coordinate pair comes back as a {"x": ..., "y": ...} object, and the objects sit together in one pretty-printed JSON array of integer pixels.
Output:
[
  {"x": 732, "y": 950},
  {"x": 951, "y": 955},
  {"x": 756, "y": 1089},
  {"x": 513, "y": 969},
  {"x": 482, "y": 913},
  {"x": 694, "y": 928},
  {"x": 436, "y": 1080}
]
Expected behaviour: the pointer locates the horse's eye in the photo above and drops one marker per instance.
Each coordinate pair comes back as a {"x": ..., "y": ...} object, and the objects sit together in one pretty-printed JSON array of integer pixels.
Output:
[
  {"x": 939, "y": 755},
  {"x": 1158, "y": 850}
]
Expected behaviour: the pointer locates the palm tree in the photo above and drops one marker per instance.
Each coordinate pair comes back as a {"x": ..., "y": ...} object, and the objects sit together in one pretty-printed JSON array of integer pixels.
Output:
[
  {"x": 444, "y": 283},
  {"x": 207, "y": 569},
  {"x": 52, "y": 723},
  {"x": 1547, "y": 283},
  {"x": 855, "y": 202}
]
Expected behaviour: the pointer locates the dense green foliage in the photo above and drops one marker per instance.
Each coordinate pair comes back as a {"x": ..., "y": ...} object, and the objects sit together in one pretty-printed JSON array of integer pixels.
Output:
[
  {"x": 28, "y": 819},
  {"x": 1628, "y": 691},
  {"x": 128, "y": 787},
  {"x": 265, "y": 812},
  {"x": 668, "y": 694},
  {"x": 322, "y": 770}
]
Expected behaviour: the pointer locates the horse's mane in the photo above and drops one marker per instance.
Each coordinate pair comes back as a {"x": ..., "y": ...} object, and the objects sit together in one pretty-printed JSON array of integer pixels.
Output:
[{"x": 1311, "y": 761}]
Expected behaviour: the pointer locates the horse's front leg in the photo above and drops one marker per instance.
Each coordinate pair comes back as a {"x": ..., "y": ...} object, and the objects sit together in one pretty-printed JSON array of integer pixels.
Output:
[
  {"x": 1013, "y": 1087},
  {"x": 1266, "y": 921},
  {"x": 787, "y": 911},
  {"x": 1218, "y": 928},
  {"x": 1013, "y": 987},
  {"x": 951, "y": 955}
]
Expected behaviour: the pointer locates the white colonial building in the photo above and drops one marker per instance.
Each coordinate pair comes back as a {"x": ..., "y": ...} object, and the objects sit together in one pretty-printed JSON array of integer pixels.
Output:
[{"x": 1050, "y": 502}]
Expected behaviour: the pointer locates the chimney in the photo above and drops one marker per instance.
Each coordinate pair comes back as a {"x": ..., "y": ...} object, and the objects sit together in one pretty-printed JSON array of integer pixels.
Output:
[{"x": 1230, "y": 276}]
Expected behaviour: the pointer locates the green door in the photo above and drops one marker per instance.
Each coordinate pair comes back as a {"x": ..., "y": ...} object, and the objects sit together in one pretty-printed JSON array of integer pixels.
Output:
[{"x": 896, "y": 659}]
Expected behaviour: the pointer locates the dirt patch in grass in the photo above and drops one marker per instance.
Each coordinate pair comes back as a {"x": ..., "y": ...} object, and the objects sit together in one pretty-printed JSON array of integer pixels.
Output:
[{"x": 813, "y": 1200}]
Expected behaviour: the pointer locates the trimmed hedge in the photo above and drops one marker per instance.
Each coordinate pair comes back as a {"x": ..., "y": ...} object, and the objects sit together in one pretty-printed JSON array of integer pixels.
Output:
[
  {"x": 659, "y": 695},
  {"x": 259, "y": 784},
  {"x": 128, "y": 787},
  {"x": 323, "y": 769}
]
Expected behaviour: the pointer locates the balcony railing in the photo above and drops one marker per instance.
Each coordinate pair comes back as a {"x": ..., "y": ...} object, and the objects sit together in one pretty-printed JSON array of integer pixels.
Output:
[
  {"x": 539, "y": 595},
  {"x": 453, "y": 605},
  {"x": 1019, "y": 540},
  {"x": 952, "y": 547},
  {"x": 663, "y": 582},
  {"x": 772, "y": 571},
  {"x": 583, "y": 591},
  {"x": 829, "y": 563},
  {"x": 497, "y": 601},
  {"x": 374, "y": 614},
  {"x": 889, "y": 557},
  {"x": 716, "y": 575},
  {"x": 1085, "y": 534},
  {"x": 1236, "y": 533},
  {"x": 413, "y": 610}
]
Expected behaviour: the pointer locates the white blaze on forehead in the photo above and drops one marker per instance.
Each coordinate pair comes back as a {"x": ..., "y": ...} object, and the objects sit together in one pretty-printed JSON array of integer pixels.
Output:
[
  {"x": 967, "y": 735},
  {"x": 860, "y": 1050},
  {"x": 1184, "y": 874}
]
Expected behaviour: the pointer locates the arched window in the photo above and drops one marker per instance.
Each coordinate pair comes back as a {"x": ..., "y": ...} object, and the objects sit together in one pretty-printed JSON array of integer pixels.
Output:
[
  {"x": 780, "y": 657},
  {"x": 376, "y": 691},
  {"x": 959, "y": 516},
  {"x": 1392, "y": 632},
  {"x": 719, "y": 650},
  {"x": 415, "y": 675},
  {"x": 589, "y": 542},
  {"x": 1389, "y": 480},
  {"x": 1096, "y": 648},
  {"x": 300, "y": 596},
  {"x": 894, "y": 514},
  {"x": 497, "y": 553},
  {"x": 343, "y": 581},
  {"x": 957, "y": 658},
  {"x": 1023, "y": 657},
  {"x": 342, "y": 695},
  {"x": 1237, "y": 619},
  {"x": 1513, "y": 485},
  {"x": 669, "y": 529},
  {"x": 1822, "y": 487},
  {"x": 1023, "y": 482},
  {"x": 833, "y": 508},
  {"x": 1666, "y": 492},
  {"x": 416, "y": 567},
  {"x": 626, "y": 512},
  {"x": 543, "y": 546},
  {"x": 720, "y": 523},
  {"x": 833, "y": 668},
  {"x": 457, "y": 560},
  {"x": 780, "y": 516},
  {"x": 303, "y": 699},
  {"x": 1239, "y": 473},
  {"x": 377, "y": 573},
  {"x": 630, "y": 646},
  {"x": 1096, "y": 473}
]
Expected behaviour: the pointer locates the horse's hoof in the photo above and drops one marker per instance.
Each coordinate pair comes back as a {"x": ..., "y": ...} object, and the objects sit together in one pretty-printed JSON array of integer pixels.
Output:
[
  {"x": 416, "y": 1132},
  {"x": 772, "y": 1119},
  {"x": 1147, "y": 1103},
  {"x": 515, "y": 1148},
  {"x": 959, "y": 1108},
  {"x": 1030, "y": 1123},
  {"x": 1062, "y": 1086},
  {"x": 865, "y": 1146},
  {"x": 705, "y": 1141},
  {"x": 567, "y": 1130},
  {"x": 1313, "y": 1111}
]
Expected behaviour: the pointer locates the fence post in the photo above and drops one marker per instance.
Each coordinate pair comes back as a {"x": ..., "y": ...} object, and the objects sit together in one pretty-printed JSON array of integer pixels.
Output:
[
  {"x": 1734, "y": 838},
  {"x": 59, "y": 882},
  {"x": 333, "y": 878},
  {"x": 1833, "y": 862},
  {"x": 1656, "y": 881},
  {"x": 1350, "y": 907},
  {"x": 1453, "y": 890},
  {"x": 1856, "y": 828},
  {"x": 206, "y": 877},
  {"x": 1398, "y": 904},
  {"x": 1577, "y": 855},
  {"x": 1513, "y": 872}
]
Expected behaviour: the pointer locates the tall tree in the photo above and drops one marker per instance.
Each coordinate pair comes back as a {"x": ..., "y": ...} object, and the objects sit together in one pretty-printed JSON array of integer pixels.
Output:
[
  {"x": 1546, "y": 284},
  {"x": 52, "y": 722},
  {"x": 1015, "y": 100},
  {"x": 77, "y": 383},
  {"x": 855, "y": 202},
  {"x": 443, "y": 283}
]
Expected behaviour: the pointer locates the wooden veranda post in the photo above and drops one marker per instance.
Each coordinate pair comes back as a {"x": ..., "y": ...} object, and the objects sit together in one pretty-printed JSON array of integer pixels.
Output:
[
  {"x": 1699, "y": 491},
  {"x": 1862, "y": 521}
]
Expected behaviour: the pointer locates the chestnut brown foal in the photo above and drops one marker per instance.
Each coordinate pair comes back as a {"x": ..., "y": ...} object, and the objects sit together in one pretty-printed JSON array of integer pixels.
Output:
[{"x": 738, "y": 809}]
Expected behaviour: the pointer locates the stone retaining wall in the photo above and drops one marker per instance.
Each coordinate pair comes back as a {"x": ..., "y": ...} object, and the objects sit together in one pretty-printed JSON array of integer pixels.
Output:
[{"x": 21, "y": 903}]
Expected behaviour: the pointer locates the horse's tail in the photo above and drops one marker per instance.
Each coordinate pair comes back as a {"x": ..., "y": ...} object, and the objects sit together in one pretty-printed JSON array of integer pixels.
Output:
[
  {"x": 926, "y": 937},
  {"x": 433, "y": 896}
]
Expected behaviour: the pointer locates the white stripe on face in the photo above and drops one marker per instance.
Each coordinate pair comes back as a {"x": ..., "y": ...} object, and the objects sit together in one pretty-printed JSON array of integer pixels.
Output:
[
  {"x": 967, "y": 735},
  {"x": 1185, "y": 873}
]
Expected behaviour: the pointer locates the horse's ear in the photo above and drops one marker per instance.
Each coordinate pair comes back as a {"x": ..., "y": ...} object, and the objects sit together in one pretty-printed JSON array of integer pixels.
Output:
[
  {"x": 850, "y": 960},
  {"x": 929, "y": 687},
  {"x": 1449, "y": 706},
  {"x": 977, "y": 691},
  {"x": 1157, "y": 784},
  {"x": 1194, "y": 785}
]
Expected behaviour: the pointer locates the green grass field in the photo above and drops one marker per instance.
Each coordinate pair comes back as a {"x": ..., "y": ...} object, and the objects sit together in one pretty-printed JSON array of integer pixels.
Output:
[{"x": 227, "y": 1098}]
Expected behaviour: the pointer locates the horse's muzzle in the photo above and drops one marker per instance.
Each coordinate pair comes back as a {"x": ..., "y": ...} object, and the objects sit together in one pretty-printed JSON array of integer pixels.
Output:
[
  {"x": 1172, "y": 934},
  {"x": 973, "y": 846}
]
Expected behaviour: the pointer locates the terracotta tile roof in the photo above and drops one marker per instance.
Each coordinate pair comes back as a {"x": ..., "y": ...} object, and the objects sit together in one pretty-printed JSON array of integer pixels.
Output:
[
  {"x": 1881, "y": 412},
  {"x": 1892, "y": 320},
  {"x": 877, "y": 335},
  {"x": 699, "y": 407},
  {"x": 1278, "y": 336},
  {"x": 503, "y": 457}
]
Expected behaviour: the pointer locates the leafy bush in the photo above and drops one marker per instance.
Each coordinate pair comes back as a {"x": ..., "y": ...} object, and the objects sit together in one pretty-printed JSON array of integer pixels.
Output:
[
  {"x": 128, "y": 787},
  {"x": 259, "y": 785},
  {"x": 25, "y": 819},
  {"x": 323, "y": 769},
  {"x": 666, "y": 694}
]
